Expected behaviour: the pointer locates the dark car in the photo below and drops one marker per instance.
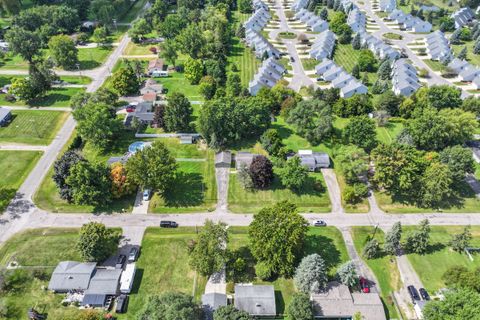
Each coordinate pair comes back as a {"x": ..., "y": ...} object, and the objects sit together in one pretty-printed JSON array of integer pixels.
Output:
[
  {"x": 292, "y": 59},
  {"x": 424, "y": 294},
  {"x": 120, "y": 261},
  {"x": 413, "y": 293},
  {"x": 132, "y": 256},
  {"x": 319, "y": 223},
  {"x": 122, "y": 301},
  {"x": 364, "y": 285},
  {"x": 168, "y": 224}
]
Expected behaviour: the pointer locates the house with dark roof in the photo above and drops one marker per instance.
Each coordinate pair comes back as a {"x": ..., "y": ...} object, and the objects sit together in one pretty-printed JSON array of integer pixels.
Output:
[
  {"x": 104, "y": 283},
  {"x": 5, "y": 116},
  {"x": 71, "y": 275},
  {"x": 256, "y": 300},
  {"x": 462, "y": 17}
]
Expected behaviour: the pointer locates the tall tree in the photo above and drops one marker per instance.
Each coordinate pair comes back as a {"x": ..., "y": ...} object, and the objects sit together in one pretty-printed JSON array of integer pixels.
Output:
[
  {"x": 193, "y": 70},
  {"x": 361, "y": 131},
  {"x": 261, "y": 171},
  {"x": 300, "y": 307},
  {"x": 125, "y": 81},
  {"x": 121, "y": 184},
  {"x": 392, "y": 239},
  {"x": 277, "y": 236},
  {"x": 169, "y": 51},
  {"x": 229, "y": 312},
  {"x": 313, "y": 120},
  {"x": 417, "y": 240},
  {"x": 311, "y": 274},
  {"x": 437, "y": 182},
  {"x": 96, "y": 242},
  {"x": 458, "y": 304},
  {"x": 61, "y": 171},
  {"x": 63, "y": 51},
  {"x": 90, "y": 184},
  {"x": 459, "y": 160},
  {"x": 178, "y": 113},
  {"x": 25, "y": 43},
  {"x": 348, "y": 274},
  {"x": 191, "y": 40},
  {"x": 293, "y": 174},
  {"x": 460, "y": 241},
  {"x": 170, "y": 306}
]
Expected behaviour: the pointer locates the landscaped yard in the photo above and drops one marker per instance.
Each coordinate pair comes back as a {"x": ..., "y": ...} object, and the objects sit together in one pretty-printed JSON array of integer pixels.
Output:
[
  {"x": 326, "y": 241},
  {"x": 345, "y": 56},
  {"x": 471, "y": 56},
  {"x": 176, "y": 82},
  {"x": 384, "y": 268},
  {"x": 34, "y": 127},
  {"x": 312, "y": 198},
  {"x": 194, "y": 190},
  {"x": 430, "y": 267},
  {"x": 309, "y": 63},
  {"x": 163, "y": 266}
]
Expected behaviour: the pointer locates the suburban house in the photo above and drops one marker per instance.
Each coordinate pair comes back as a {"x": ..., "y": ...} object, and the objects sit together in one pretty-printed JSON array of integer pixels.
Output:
[
  {"x": 267, "y": 76},
  {"x": 313, "y": 160},
  {"x": 356, "y": 20},
  {"x": 223, "y": 159},
  {"x": 323, "y": 45},
  {"x": 458, "y": 65},
  {"x": 5, "y": 116},
  {"x": 299, "y": 4},
  {"x": 155, "y": 68},
  {"x": 337, "y": 302},
  {"x": 261, "y": 45},
  {"x": 462, "y": 17},
  {"x": 388, "y": 5},
  {"x": 404, "y": 78},
  {"x": 323, "y": 66},
  {"x": 104, "y": 283},
  {"x": 469, "y": 73},
  {"x": 258, "y": 20},
  {"x": 342, "y": 80},
  {"x": 244, "y": 158},
  {"x": 144, "y": 112},
  {"x": 211, "y": 302},
  {"x": 378, "y": 47},
  {"x": 348, "y": 85},
  {"x": 256, "y": 300},
  {"x": 409, "y": 22},
  {"x": 71, "y": 275},
  {"x": 332, "y": 73},
  {"x": 353, "y": 88},
  {"x": 151, "y": 86},
  {"x": 438, "y": 47}
]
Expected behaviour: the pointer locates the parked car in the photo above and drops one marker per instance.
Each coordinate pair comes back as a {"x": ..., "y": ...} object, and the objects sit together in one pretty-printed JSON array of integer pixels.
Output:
[
  {"x": 133, "y": 255},
  {"x": 292, "y": 59},
  {"x": 168, "y": 224},
  {"x": 364, "y": 285},
  {"x": 146, "y": 194},
  {"x": 319, "y": 223},
  {"x": 120, "y": 261},
  {"x": 130, "y": 108},
  {"x": 424, "y": 294},
  {"x": 413, "y": 294},
  {"x": 122, "y": 301}
]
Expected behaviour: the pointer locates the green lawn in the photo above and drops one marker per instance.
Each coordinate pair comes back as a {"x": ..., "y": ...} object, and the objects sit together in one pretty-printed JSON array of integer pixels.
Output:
[
  {"x": 16, "y": 165},
  {"x": 345, "y": 56},
  {"x": 384, "y": 268},
  {"x": 34, "y": 127},
  {"x": 309, "y": 63},
  {"x": 56, "y": 245},
  {"x": 7, "y": 79},
  {"x": 434, "y": 65},
  {"x": 138, "y": 49},
  {"x": 12, "y": 61},
  {"x": 312, "y": 198},
  {"x": 242, "y": 56},
  {"x": 91, "y": 58},
  {"x": 163, "y": 266},
  {"x": 431, "y": 266},
  {"x": 176, "y": 82},
  {"x": 57, "y": 97},
  {"x": 471, "y": 57},
  {"x": 194, "y": 190},
  {"x": 326, "y": 241},
  {"x": 388, "y": 133}
]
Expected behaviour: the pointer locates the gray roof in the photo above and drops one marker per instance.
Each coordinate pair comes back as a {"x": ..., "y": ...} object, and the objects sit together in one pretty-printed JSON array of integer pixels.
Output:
[
  {"x": 94, "y": 300},
  {"x": 4, "y": 112},
  {"x": 71, "y": 275},
  {"x": 257, "y": 300},
  {"x": 213, "y": 301},
  {"x": 244, "y": 158},
  {"x": 224, "y": 157},
  {"x": 104, "y": 281}
]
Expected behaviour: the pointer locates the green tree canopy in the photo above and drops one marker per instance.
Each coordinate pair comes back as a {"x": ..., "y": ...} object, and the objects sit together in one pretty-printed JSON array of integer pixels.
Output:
[
  {"x": 300, "y": 307},
  {"x": 312, "y": 119},
  {"x": 63, "y": 51},
  {"x": 293, "y": 174},
  {"x": 178, "y": 113},
  {"x": 458, "y": 304},
  {"x": 96, "y": 242},
  {"x": 361, "y": 131},
  {"x": 89, "y": 183},
  {"x": 170, "y": 306}
]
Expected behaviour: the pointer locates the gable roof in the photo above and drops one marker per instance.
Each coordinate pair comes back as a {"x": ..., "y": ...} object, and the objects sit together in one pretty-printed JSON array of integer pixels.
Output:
[
  {"x": 71, "y": 275},
  {"x": 257, "y": 300},
  {"x": 104, "y": 281}
]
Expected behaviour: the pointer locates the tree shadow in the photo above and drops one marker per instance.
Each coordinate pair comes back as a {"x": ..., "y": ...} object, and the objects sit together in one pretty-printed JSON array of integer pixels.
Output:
[
  {"x": 248, "y": 272},
  {"x": 324, "y": 247},
  {"x": 187, "y": 190},
  {"x": 432, "y": 248},
  {"x": 283, "y": 131},
  {"x": 137, "y": 280},
  {"x": 50, "y": 99},
  {"x": 279, "y": 302}
]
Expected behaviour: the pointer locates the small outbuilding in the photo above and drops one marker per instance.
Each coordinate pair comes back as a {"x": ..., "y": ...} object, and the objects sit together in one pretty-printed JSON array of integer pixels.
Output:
[
  {"x": 211, "y": 302},
  {"x": 244, "y": 158},
  {"x": 5, "y": 116},
  {"x": 223, "y": 159}
]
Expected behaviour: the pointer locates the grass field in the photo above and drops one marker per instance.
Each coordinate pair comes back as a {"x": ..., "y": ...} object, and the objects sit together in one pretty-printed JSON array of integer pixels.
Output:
[
  {"x": 57, "y": 97},
  {"x": 36, "y": 127},
  {"x": 327, "y": 242},
  {"x": 388, "y": 133},
  {"x": 163, "y": 266},
  {"x": 345, "y": 56},
  {"x": 434, "y": 65},
  {"x": 15, "y": 166},
  {"x": 7, "y": 79},
  {"x": 384, "y": 268},
  {"x": 312, "y": 198},
  {"x": 14, "y": 62},
  {"x": 194, "y": 189},
  {"x": 176, "y": 82},
  {"x": 138, "y": 49},
  {"x": 309, "y": 64},
  {"x": 57, "y": 245},
  {"x": 471, "y": 57},
  {"x": 431, "y": 266},
  {"x": 91, "y": 58}
]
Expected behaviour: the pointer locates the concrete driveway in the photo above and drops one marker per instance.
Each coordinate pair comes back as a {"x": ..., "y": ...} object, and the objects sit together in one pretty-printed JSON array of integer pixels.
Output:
[{"x": 333, "y": 190}]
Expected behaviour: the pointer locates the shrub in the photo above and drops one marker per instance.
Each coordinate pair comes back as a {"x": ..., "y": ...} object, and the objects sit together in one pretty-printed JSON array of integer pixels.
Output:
[{"x": 263, "y": 271}]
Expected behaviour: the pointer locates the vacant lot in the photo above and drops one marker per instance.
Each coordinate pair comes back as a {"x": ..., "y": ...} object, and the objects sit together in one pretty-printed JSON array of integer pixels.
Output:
[
  {"x": 431, "y": 266},
  {"x": 15, "y": 166},
  {"x": 34, "y": 127},
  {"x": 384, "y": 267},
  {"x": 163, "y": 266},
  {"x": 57, "y": 97}
]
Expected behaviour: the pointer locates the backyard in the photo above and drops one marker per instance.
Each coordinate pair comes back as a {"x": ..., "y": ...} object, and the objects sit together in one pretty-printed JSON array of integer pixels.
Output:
[
  {"x": 345, "y": 56},
  {"x": 384, "y": 267},
  {"x": 33, "y": 127},
  {"x": 56, "y": 97}
]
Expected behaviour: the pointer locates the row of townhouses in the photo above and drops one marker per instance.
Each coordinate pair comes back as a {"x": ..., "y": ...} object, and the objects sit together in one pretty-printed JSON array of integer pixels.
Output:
[
  {"x": 378, "y": 47},
  {"x": 409, "y": 22},
  {"x": 323, "y": 45},
  {"x": 387, "y": 5},
  {"x": 404, "y": 78},
  {"x": 267, "y": 76},
  {"x": 349, "y": 86},
  {"x": 462, "y": 17},
  {"x": 466, "y": 72},
  {"x": 314, "y": 22},
  {"x": 438, "y": 46}
]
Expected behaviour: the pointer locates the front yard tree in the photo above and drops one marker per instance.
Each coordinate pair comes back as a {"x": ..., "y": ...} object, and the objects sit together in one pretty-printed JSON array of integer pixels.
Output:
[
  {"x": 139, "y": 29},
  {"x": 385, "y": 70},
  {"x": 311, "y": 274},
  {"x": 25, "y": 43},
  {"x": 300, "y": 307},
  {"x": 459, "y": 160},
  {"x": 361, "y": 131},
  {"x": 121, "y": 183},
  {"x": 277, "y": 236},
  {"x": 169, "y": 51},
  {"x": 234, "y": 85},
  {"x": 229, "y": 312},
  {"x": 125, "y": 81},
  {"x": 90, "y": 184},
  {"x": 178, "y": 113},
  {"x": 100, "y": 35},
  {"x": 170, "y": 306},
  {"x": 293, "y": 175},
  {"x": 417, "y": 241},
  {"x": 356, "y": 42},
  {"x": 97, "y": 123},
  {"x": 458, "y": 304},
  {"x": 207, "y": 87},
  {"x": 61, "y": 171},
  {"x": 348, "y": 274},
  {"x": 460, "y": 241},
  {"x": 261, "y": 171},
  {"x": 352, "y": 162},
  {"x": 153, "y": 167},
  {"x": 209, "y": 254},
  {"x": 193, "y": 70},
  {"x": 437, "y": 185},
  {"x": 392, "y": 239},
  {"x": 191, "y": 41},
  {"x": 95, "y": 242},
  {"x": 271, "y": 142},
  {"x": 367, "y": 61},
  {"x": 64, "y": 51},
  {"x": 371, "y": 249},
  {"x": 244, "y": 177}
]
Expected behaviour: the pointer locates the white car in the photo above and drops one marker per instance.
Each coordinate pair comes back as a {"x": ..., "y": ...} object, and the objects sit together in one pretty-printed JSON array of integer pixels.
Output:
[{"x": 146, "y": 194}]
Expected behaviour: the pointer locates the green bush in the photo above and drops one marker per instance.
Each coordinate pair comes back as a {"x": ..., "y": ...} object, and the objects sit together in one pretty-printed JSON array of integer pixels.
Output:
[{"x": 263, "y": 271}]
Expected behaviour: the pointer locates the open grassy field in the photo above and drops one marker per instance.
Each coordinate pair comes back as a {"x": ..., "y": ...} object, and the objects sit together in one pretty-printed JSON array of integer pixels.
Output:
[
  {"x": 14, "y": 62},
  {"x": 471, "y": 57},
  {"x": 176, "y": 82},
  {"x": 345, "y": 56},
  {"x": 15, "y": 166},
  {"x": 388, "y": 133},
  {"x": 194, "y": 189},
  {"x": 312, "y": 198},
  {"x": 57, "y": 97},
  {"x": 384, "y": 268},
  {"x": 326, "y": 241},
  {"x": 242, "y": 56},
  {"x": 163, "y": 266},
  {"x": 34, "y": 127},
  {"x": 91, "y": 58},
  {"x": 134, "y": 49},
  {"x": 7, "y": 79},
  {"x": 430, "y": 267}
]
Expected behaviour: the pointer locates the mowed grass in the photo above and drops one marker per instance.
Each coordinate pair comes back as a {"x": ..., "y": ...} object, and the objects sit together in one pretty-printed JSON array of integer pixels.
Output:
[
  {"x": 326, "y": 241},
  {"x": 15, "y": 166},
  {"x": 471, "y": 56},
  {"x": 313, "y": 196},
  {"x": 56, "y": 97},
  {"x": 7, "y": 79},
  {"x": 163, "y": 266},
  {"x": 134, "y": 49},
  {"x": 194, "y": 189},
  {"x": 345, "y": 56},
  {"x": 384, "y": 268},
  {"x": 430, "y": 267},
  {"x": 13, "y": 62},
  {"x": 389, "y": 132},
  {"x": 242, "y": 56},
  {"x": 91, "y": 58},
  {"x": 176, "y": 82},
  {"x": 35, "y": 127}
]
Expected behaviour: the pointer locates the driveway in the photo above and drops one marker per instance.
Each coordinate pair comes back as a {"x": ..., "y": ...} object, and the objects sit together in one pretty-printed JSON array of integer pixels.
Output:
[
  {"x": 333, "y": 190},
  {"x": 222, "y": 176}
]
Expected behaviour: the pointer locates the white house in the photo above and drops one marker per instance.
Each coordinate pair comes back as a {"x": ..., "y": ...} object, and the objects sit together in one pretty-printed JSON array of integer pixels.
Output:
[
  {"x": 356, "y": 20},
  {"x": 332, "y": 73},
  {"x": 469, "y": 73},
  {"x": 404, "y": 78},
  {"x": 323, "y": 66},
  {"x": 353, "y": 88},
  {"x": 267, "y": 76},
  {"x": 458, "y": 65},
  {"x": 323, "y": 45},
  {"x": 388, "y": 5},
  {"x": 342, "y": 80},
  {"x": 438, "y": 47}
]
